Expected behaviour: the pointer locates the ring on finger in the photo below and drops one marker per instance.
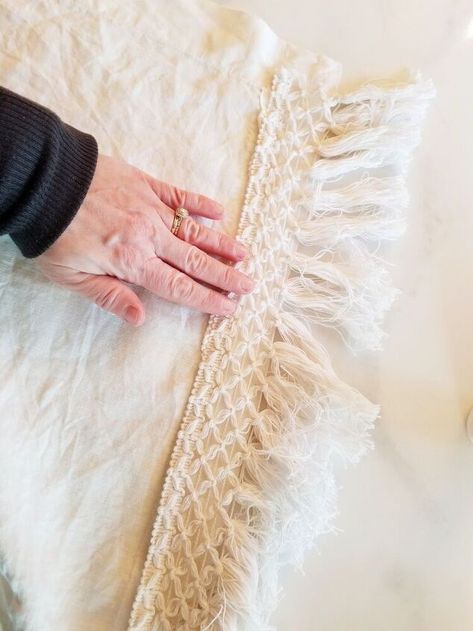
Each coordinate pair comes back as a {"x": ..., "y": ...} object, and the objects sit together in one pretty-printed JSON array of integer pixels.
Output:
[{"x": 179, "y": 214}]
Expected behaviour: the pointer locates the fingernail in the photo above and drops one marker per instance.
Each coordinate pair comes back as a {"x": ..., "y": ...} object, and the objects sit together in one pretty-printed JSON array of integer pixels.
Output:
[
  {"x": 241, "y": 251},
  {"x": 247, "y": 284},
  {"x": 229, "y": 307},
  {"x": 132, "y": 315}
]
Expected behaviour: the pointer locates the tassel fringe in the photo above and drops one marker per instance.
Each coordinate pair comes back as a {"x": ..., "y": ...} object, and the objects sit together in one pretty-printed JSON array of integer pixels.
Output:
[{"x": 252, "y": 480}]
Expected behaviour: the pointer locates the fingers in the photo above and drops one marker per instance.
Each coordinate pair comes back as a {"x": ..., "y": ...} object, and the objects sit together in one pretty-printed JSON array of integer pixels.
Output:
[
  {"x": 167, "y": 282},
  {"x": 201, "y": 266},
  {"x": 206, "y": 238},
  {"x": 194, "y": 202},
  {"x": 112, "y": 295}
]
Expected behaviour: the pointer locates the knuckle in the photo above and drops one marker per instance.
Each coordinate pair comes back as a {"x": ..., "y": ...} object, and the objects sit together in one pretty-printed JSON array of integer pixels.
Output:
[
  {"x": 235, "y": 248},
  {"x": 108, "y": 299},
  {"x": 221, "y": 240},
  {"x": 177, "y": 196},
  {"x": 193, "y": 230},
  {"x": 195, "y": 260},
  {"x": 151, "y": 278},
  {"x": 228, "y": 276},
  {"x": 181, "y": 287}
]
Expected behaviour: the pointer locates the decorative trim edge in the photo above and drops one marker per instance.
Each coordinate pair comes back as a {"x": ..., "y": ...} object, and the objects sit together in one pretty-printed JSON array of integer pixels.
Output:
[{"x": 251, "y": 483}]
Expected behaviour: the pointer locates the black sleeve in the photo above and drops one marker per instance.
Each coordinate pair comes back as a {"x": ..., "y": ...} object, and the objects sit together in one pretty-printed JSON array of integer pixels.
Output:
[{"x": 46, "y": 168}]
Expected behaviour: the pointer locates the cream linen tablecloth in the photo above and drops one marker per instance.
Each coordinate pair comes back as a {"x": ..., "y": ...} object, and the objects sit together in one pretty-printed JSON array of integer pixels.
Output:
[{"x": 211, "y": 100}]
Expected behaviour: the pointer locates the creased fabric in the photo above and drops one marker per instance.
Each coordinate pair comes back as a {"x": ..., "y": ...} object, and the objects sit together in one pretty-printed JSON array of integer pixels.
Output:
[{"x": 157, "y": 478}]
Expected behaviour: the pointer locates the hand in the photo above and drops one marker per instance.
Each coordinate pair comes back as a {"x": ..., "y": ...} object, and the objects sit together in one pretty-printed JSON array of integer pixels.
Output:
[{"x": 122, "y": 234}]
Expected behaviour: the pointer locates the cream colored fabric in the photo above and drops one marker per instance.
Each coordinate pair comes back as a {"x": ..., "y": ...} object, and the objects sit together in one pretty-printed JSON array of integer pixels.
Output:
[{"x": 90, "y": 408}]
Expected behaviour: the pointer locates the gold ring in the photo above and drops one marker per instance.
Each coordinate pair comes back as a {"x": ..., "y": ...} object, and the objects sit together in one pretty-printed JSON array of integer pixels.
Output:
[{"x": 179, "y": 214}]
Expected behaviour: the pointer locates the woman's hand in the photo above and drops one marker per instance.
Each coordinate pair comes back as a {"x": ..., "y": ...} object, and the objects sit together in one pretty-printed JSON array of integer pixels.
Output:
[{"x": 122, "y": 234}]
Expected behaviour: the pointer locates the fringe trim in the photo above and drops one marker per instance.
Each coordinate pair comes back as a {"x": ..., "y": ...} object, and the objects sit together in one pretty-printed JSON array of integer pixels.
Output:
[{"x": 251, "y": 483}]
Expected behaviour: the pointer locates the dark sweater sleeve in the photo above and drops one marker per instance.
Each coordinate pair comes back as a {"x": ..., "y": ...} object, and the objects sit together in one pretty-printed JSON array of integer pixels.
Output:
[{"x": 46, "y": 167}]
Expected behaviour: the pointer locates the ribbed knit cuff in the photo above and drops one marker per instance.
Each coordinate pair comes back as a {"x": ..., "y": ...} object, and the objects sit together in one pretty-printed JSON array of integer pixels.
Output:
[{"x": 46, "y": 167}]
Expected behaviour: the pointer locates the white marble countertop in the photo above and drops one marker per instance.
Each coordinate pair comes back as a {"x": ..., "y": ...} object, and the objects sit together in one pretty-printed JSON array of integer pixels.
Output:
[{"x": 404, "y": 561}]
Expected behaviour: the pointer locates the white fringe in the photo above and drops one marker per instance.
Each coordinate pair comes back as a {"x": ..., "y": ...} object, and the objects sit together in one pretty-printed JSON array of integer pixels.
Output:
[{"x": 272, "y": 475}]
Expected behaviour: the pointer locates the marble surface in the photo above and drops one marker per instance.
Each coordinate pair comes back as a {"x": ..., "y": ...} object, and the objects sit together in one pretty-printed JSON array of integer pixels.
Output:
[{"x": 404, "y": 558}]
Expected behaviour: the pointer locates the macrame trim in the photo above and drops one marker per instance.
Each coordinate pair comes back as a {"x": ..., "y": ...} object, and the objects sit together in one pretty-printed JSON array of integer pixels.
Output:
[{"x": 251, "y": 483}]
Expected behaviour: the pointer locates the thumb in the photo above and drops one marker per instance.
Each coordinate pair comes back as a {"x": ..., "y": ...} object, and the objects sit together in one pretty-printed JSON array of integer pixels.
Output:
[{"x": 112, "y": 295}]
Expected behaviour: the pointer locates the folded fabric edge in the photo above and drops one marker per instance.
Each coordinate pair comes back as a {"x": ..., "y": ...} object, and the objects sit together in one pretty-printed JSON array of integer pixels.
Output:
[{"x": 314, "y": 183}]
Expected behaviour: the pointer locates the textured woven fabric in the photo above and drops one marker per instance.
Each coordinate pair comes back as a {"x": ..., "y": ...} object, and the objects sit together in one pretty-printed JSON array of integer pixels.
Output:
[{"x": 230, "y": 427}]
